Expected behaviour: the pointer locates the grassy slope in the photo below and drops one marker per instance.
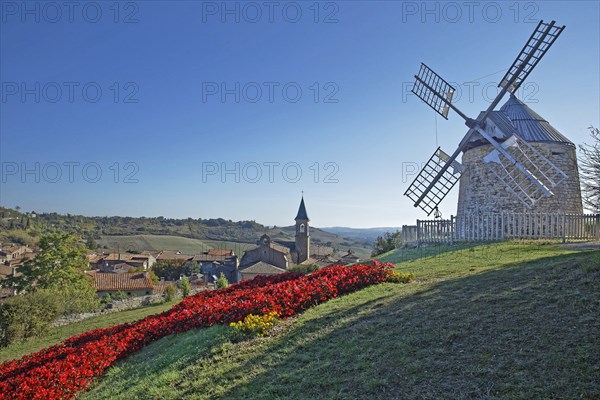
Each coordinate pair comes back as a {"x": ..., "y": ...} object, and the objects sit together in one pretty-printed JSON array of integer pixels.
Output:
[
  {"x": 508, "y": 320},
  {"x": 155, "y": 243},
  {"x": 56, "y": 335}
]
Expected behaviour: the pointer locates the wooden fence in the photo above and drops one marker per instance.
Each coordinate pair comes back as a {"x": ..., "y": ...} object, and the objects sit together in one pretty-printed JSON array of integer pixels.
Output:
[{"x": 502, "y": 226}]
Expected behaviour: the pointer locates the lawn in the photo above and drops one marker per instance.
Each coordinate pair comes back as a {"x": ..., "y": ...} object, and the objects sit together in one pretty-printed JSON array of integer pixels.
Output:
[
  {"x": 57, "y": 335},
  {"x": 511, "y": 320}
]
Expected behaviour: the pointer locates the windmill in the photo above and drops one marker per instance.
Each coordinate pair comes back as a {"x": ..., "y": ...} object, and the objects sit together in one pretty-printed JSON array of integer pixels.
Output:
[{"x": 528, "y": 174}]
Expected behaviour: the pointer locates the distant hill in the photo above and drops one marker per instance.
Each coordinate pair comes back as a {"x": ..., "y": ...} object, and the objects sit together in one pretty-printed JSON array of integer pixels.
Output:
[
  {"x": 365, "y": 235},
  {"x": 158, "y": 233},
  {"x": 318, "y": 236}
]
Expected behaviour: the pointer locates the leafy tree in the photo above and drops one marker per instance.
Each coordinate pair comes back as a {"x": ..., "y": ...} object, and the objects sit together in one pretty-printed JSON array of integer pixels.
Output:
[
  {"x": 153, "y": 277},
  {"x": 171, "y": 270},
  {"x": 387, "y": 242},
  {"x": 59, "y": 269},
  {"x": 190, "y": 267},
  {"x": 59, "y": 264},
  {"x": 222, "y": 282},
  {"x": 589, "y": 167},
  {"x": 185, "y": 286},
  {"x": 91, "y": 243}
]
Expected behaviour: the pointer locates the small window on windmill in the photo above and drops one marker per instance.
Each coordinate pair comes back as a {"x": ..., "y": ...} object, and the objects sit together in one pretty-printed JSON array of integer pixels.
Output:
[{"x": 557, "y": 153}]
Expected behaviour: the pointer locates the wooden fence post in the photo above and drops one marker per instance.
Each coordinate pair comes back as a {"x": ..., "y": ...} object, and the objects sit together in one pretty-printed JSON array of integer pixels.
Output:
[{"x": 564, "y": 227}]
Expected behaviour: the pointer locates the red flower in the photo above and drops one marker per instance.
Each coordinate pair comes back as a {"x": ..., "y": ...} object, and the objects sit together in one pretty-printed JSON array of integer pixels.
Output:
[{"x": 62, "y": 370}]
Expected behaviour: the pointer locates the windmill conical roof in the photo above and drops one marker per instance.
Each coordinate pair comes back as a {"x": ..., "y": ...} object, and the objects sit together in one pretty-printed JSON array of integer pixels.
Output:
[{"x": 529, "y": 125}]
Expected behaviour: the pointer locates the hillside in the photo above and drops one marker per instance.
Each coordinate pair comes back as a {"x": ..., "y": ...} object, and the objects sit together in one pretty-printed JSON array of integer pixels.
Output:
[
  {"x": 511, "y": 320},
  {"x": 186, "y": 235},
  {"x": 366, "y": 235},
  {"x": 153, "y": 243}
]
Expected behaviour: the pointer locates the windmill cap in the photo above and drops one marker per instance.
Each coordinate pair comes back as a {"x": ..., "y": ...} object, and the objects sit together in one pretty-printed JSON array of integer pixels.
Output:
[{"x": 530, "y": 125}]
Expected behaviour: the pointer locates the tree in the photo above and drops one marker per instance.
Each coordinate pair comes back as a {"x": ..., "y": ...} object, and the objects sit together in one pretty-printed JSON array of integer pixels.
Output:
[
  {"x": 59, "y": 269},
  {"x": 169, "y": 269},
  {"x": 185, "y": 286},
  {"x": 222, "y": 282},
  {"x": 387, "y": 242},
  {"x": 91, "y": 243},
  {"x": 153, "y": 277},
  {"x": 589, "y": 167},
  {"x": 59, "y": 264}
]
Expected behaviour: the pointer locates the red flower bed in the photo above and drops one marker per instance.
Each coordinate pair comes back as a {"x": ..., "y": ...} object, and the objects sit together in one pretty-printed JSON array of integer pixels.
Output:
[{"x": 62, "y": 370}]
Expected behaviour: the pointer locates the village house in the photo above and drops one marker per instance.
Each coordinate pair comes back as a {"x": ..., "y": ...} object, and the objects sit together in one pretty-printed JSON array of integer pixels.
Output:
[
  {"x": 216, "y": 261},
  {"x": 11, "y": 252},
  {"x": 11, "y": 258},
  {"x": 173, "y": 255},
  {"x": 348, "y": 258},
  {"x": 121, "y": 261},
  {"x": 132, "y": 284}
]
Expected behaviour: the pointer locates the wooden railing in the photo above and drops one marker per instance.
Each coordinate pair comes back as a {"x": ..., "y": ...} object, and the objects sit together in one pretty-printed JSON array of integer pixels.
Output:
[{"x": 502, "y": 226}]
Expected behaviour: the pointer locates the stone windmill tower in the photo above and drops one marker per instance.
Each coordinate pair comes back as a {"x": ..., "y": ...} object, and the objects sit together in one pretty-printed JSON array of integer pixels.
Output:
[
  {"x": 480, "y": 190},
  {"x": 513, "y": 159}
]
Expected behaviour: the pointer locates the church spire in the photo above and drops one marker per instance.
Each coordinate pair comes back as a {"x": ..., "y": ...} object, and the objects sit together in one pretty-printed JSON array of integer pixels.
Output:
[{"x": 302, "y": 211}]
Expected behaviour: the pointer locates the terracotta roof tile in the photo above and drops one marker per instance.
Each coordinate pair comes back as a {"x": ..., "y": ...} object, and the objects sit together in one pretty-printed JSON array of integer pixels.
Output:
[
  {"x": 220, "y": 252},
  {"x": 110, "y": 281}
]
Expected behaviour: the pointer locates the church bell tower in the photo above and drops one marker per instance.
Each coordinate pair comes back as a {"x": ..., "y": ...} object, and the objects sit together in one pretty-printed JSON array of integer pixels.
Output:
[{"x": 302, "y": 234}]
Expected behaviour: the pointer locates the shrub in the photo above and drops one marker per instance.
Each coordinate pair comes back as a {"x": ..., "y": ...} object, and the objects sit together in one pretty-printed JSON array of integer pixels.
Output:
[
  {"x": 77, "y": 298},
  {"x": 120, "y": 295},
  {"x": 106, "y": 299},
  {"x": 400, "y": 277},
  {"x": 256, "y": 325},
  {"x": 185, "y": 286},
  {"x": 28, "y": 315},
  {"x": 222, "y": 282},
  {"x": 304, "y": 268},
  {"x": 170, "y": 292},
  {"x": 155, "y": 279}
]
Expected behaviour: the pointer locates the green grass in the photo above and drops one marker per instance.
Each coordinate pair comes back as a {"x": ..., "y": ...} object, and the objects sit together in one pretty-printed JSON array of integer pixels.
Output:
[
  {"x": 57, "y": 335},
  {"x": 155, "y": 243},
  {"x": 512, "y": 320}
]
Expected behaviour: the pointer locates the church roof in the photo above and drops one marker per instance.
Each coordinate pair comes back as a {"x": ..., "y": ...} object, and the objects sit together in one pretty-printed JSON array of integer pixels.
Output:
[
  {"x": 529, "y": 125},
  {"x": 302, "y": 211},
  {"x": 263, "y": 268}
]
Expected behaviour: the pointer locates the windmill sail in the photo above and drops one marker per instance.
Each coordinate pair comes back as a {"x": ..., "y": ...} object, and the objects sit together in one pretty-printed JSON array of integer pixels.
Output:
[
  {"x": 527, "y": 173},
  {"x": 420, "y": 186},
  {"x": 433, "y": 90},
  {"x": 538, "y": 44}
]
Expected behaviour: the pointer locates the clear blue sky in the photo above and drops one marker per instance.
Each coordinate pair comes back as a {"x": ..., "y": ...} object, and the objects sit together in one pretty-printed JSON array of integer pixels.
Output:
[{"x": 162, "y": 118}]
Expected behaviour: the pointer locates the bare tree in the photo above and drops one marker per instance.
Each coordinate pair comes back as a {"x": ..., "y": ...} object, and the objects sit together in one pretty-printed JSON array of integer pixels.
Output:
[{"x": 589, "y": 166}]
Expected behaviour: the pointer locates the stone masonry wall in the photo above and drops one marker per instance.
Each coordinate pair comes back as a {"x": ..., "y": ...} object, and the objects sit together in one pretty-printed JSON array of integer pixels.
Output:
[{"x": 481, "y": 191}]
